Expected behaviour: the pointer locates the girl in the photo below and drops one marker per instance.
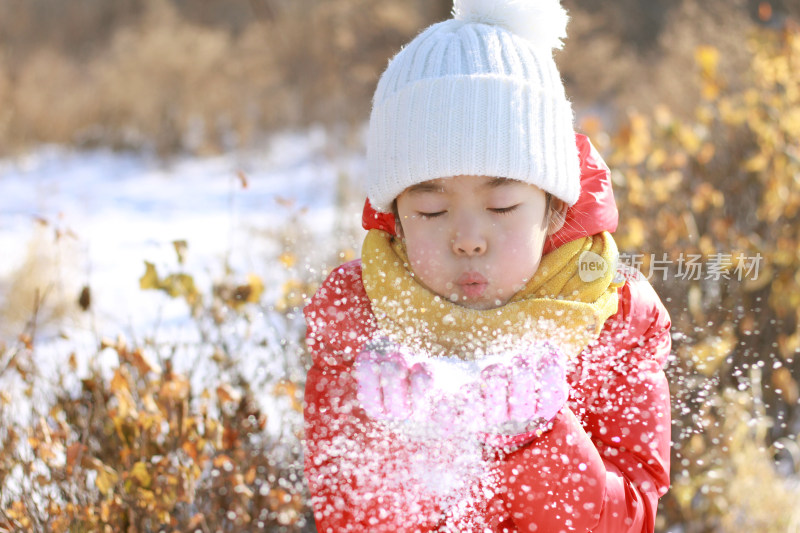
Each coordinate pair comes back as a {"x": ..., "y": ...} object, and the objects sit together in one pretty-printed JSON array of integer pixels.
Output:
[{"x": 485, "y": 366}]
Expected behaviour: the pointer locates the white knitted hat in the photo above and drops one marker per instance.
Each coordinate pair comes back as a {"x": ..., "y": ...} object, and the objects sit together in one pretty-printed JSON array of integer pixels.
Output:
[{"x": 478, "y": 94}]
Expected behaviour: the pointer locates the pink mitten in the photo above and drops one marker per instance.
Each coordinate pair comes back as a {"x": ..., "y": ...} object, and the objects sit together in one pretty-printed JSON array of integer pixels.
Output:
[
  {"x": 495, "y": 384},
  {"x": 531, "y": 388},
  {"x": 387, "y": 388},
  {"x": 420, "y": 384},
  {"x": 367, "y": 372},
  {"x": 553, "y": 389}
]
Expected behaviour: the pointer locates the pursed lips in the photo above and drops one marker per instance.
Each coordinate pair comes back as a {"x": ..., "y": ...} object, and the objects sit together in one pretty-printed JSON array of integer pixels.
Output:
[{"x": 472, "y": 284}]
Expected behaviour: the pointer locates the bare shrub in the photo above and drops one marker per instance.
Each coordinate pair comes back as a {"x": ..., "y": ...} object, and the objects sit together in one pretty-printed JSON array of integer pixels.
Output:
[
  {"x": 709, "y": 202},
  {"x": 43, "y": 283}
]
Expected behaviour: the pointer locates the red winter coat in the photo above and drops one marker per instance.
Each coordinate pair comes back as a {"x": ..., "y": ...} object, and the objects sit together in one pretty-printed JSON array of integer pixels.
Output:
[{"x": 602, "y": 466}]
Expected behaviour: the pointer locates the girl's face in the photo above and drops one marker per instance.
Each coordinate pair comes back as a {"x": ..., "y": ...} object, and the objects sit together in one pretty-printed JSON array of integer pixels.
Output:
[{"x": 474, "y": 240}]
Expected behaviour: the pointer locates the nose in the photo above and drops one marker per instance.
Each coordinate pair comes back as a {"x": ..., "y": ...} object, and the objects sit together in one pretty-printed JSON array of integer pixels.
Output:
[{"x": 469, "y": 242}]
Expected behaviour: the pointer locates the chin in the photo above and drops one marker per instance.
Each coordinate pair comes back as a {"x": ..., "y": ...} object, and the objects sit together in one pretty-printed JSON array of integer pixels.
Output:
[{"x": 482, "y": 304}]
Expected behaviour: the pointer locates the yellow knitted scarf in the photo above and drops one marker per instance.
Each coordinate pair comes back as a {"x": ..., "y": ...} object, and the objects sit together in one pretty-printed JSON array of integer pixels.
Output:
[{"x": 556, "y": 304}]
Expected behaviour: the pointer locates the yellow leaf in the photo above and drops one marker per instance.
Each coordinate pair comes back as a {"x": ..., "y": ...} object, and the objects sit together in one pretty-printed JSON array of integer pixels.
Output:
[
  {"x": 256, "y": 288},
  {"x": 288, "y": 259},
  {"x": 662, "y": 115},
  {"x": 633, "y": 237},
  {"x": 180, "y": 250},
  {"x": 119, "y": 382},
  {"x": 656, "y": 159},
  {"x": 705, "y": 196},
  {"x": 242, "y": 178},
  {"x": 592, "y": 126},
  {"x": 790, "y": 120},
  {"x": 106, "y": 479},
  {"x": 706, "y": 245},
  {"x": 73, "y": 451},
  {"x": 122, "y": 392},
  {"x": 663, "y": 188},
  {"x": 196, "y": 520},
  {"x": 695, "y": 300},
  {"x": 190, "y": 448},
  {"x": 710, "y": 90},
  {"x": 696, "y": 446},
  {"x": 689, "y": 139},
  {"x": 250, "y": 476},
  {"x": 704, "y": 115},
  {"x": 291, "y": 390},
  {"x": 49, "y": 451},
  {"x": 709, "y": 353},
  {"x": 147, "y": 497},
  {"x": 757, "y": 163},
  {"x": 139, "y": 473},
  {"x": 175, "y": 388},
  {"x": 707, "y": 58},
  {"x": 294, "y": 294},
  {"x": 347, "y": 255},
  {"x": 179, "y": 285},
  {"x": 19, "y": 512},
  {"x": 150, "y": 278},
  {"x": 765, "y": 277},
  {"x": 785, "y": 384},
  {"x": 224, "y": 462},
  {"x": 226, "y": 394},
  {"x": 105, "y": 511},
  {"x": 705, "y": 154},
  {"x": 143, "y": 362},
  {"x": 789, "y": 345},
  {"x": 149, "y": 403}
]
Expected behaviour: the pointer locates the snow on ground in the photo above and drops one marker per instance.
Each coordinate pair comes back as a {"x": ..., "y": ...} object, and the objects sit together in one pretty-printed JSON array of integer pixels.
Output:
[{"x": 127, "y": 208}]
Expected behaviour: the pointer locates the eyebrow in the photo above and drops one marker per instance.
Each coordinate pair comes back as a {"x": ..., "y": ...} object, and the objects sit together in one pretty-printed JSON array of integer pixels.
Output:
[
  {"x": 494, "y": 183},
  {"x": 425, "y": 186},
  {"x": 428, "y": 186}
]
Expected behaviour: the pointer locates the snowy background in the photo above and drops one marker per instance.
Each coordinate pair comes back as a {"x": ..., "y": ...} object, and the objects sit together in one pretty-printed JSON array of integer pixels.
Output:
[
  {"x": 117, "y": 210},
  {"x": 97, "y": 216}
]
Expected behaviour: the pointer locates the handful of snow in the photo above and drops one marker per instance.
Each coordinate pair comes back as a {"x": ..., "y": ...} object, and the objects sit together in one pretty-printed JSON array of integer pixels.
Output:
[{"x": 506, "y": 394}]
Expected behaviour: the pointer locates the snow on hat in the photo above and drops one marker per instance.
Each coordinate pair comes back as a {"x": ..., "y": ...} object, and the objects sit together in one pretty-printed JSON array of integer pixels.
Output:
[{"x": 478, "y": 94}]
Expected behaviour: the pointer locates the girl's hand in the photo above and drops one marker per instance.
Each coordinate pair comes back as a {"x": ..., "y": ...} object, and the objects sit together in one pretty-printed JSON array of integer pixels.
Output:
[
  {"x": 507, "y": 397},
  {"x": 531, "y": 389},
  {"x": 408, "y": 398},
  {"x": 388, "y": 389}
]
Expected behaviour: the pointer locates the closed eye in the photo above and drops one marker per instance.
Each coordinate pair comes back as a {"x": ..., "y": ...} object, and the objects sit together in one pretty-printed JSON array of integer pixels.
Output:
[
  {"x": 431, "y": 215},
  {"x": 503, "y": 210}
]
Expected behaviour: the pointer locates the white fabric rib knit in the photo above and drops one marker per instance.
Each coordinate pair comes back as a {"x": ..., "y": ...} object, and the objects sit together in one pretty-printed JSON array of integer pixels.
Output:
[{"x": 468, "y": 98}]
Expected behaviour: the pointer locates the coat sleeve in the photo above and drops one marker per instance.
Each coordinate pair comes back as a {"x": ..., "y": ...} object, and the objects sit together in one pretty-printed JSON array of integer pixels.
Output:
[
  {"x": 361, "y": 476},
  {"x": 605, "y": 462}
]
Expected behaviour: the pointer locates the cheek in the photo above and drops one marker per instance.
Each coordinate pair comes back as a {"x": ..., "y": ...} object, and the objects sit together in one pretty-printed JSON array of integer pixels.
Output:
[
  {"x": 521, "y": 252},
  {"x": 424, "y": 249}
]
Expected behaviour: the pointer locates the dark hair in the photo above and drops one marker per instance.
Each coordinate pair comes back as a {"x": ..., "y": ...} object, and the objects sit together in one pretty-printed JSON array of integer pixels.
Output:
[{"x": 548, "y": 199}]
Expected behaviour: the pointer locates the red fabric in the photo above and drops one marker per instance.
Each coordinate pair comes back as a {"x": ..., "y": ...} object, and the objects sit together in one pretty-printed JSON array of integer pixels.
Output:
[
  {"x": 372, "y": 219},
  {"x": 595, "y": 210},
  {"x": 601, "y": 467}
]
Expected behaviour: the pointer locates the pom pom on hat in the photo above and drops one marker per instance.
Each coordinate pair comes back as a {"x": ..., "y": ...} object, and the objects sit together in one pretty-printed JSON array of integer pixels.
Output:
[{"x": 542, "y": 22}]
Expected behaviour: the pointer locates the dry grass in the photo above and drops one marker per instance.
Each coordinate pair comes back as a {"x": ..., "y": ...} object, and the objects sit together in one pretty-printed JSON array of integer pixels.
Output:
[
  {"x": 166, "y": 81},
  {"x": 44, "y": 285},
  {"x": 742, "y": 486},
  {"x": 179, "y": 76}
]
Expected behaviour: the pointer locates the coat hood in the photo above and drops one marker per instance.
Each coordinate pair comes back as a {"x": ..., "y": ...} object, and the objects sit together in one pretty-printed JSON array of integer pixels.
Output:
[{"x": 595, "y": 210}]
